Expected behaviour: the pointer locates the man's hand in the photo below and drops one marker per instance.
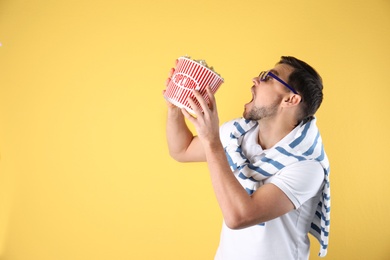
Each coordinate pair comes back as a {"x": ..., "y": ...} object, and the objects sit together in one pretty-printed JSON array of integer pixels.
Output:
[
  {"x": 182, "y": 144},
  {"x": 169, "y": 104},
  {"x": 206, "y": 123}
]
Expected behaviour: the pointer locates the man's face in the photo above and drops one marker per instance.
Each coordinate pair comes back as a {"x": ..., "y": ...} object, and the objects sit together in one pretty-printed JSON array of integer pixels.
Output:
[{"x": 267, "y": 95}]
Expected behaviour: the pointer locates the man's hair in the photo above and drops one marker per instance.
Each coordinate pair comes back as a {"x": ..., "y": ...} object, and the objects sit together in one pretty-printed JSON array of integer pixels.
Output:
[{"x": 308, "y": 83}]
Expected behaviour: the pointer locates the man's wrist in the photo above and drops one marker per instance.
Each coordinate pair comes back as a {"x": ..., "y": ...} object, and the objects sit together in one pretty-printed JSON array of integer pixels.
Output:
[
  {"x": 213, "y": 145},
  {"x": 174, "y": 111}
]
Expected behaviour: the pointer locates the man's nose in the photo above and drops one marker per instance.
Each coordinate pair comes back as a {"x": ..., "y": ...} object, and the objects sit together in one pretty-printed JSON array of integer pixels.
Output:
[{"x": 256, "y": 80}]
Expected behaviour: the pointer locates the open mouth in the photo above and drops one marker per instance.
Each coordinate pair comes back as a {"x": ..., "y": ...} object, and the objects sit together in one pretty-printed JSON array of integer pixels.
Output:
[{"x": 253, "y": 95}]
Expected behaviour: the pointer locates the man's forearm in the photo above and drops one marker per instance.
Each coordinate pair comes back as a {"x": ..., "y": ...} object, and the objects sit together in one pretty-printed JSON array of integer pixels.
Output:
[
  {"x": 178, "y": 134},
  {"x": 232, "y": 198},
  {"x": 239, "y": 209}
]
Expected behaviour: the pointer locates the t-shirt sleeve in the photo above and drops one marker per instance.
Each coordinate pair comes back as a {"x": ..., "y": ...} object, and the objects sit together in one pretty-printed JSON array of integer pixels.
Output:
[{"x": 300, "y": 181}]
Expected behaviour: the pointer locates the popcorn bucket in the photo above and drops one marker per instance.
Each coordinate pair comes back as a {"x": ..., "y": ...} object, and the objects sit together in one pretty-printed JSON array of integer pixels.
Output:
[{"x": 189, "y": 75}]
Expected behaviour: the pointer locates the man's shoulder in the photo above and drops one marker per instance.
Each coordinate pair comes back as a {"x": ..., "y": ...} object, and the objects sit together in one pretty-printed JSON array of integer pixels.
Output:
[{"x": 307, "y": 171}]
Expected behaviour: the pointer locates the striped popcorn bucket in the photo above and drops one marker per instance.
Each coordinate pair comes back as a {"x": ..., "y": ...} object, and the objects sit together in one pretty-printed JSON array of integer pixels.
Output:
[{"x": 189, "y": 75}]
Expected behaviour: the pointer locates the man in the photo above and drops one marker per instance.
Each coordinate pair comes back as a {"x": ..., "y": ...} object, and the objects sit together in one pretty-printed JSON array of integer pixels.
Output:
[{"x": 279, "y": 189}]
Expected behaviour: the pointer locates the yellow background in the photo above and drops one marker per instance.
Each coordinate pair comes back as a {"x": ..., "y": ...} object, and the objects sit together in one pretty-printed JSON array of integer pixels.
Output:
[{"x": 84, "y": 168}]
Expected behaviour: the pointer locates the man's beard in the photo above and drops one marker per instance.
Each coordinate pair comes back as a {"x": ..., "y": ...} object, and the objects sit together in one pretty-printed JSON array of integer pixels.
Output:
[{"x": 257, "y": 113}]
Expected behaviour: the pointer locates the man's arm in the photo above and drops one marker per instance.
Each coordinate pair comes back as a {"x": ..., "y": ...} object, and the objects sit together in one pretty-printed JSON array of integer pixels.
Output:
[
  {"x": 238, "y": 208},
  {"x": 182, "y": 144}
]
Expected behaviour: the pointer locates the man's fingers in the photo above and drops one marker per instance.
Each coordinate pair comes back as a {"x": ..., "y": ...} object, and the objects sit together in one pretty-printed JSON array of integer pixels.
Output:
[
  {"x": 171, "y": 72},
  {"x": 200, "y": 99},
  {"x": 167, "y": 82},
  {"x": 169, "y": 76},
  {"x": 194, "y": 107},
  {"x": 186, "y": 114},
  {"x": 210, "y": 94}
]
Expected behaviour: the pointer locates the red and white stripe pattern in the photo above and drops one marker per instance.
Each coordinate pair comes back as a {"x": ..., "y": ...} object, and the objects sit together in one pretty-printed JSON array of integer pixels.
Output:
[{"x": 190, "y": 75}]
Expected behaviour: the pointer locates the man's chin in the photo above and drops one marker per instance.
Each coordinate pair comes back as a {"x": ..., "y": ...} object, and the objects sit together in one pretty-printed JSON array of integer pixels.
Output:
[
  {"x": 247, "y": 110},
  {"x": 245, "y": 115}
]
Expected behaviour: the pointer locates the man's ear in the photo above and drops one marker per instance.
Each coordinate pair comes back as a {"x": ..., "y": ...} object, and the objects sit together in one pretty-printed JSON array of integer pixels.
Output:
[{"x": 292, "y": 100}]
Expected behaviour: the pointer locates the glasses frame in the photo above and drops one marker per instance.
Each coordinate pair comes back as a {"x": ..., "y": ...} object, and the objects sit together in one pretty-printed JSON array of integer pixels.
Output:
[{"x": 263, "y": 77}]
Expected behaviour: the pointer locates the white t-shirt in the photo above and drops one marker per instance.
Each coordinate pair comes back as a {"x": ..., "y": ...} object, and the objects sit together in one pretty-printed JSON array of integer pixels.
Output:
[{"x": 285, "y": 237}]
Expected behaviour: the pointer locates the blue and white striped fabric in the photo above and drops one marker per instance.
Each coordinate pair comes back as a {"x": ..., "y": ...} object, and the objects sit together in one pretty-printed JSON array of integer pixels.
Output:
[{"x": 306, "y": 145}]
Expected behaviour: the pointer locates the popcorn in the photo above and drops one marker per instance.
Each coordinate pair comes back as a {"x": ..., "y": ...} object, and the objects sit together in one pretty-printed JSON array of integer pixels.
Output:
[
  {"x": 203, "y": 63},
  {"x": 189, "y": 75}
]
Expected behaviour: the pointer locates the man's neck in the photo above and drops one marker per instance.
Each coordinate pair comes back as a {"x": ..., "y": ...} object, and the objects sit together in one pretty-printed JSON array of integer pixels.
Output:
[{"x": 271, "y": 131}]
